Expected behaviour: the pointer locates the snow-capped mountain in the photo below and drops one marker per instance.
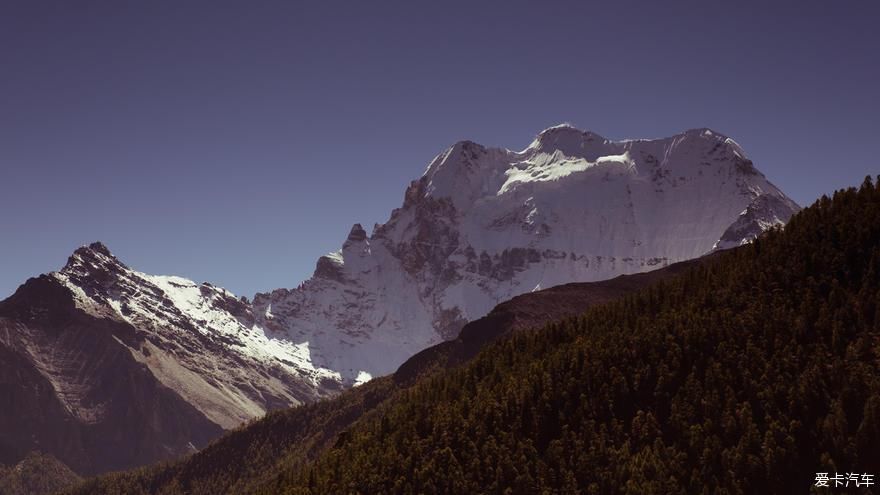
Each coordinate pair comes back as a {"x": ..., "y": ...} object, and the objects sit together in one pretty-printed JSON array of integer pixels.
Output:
[
  {"x": 197, "y": 339},
  {"x": 107, "y": 359},
  {"x": 484, "y": 224},
  {"x": 115, "y": 368}
]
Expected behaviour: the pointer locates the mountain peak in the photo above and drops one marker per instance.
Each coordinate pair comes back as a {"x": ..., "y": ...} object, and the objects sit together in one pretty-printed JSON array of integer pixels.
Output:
[
  {"x": 87, "y": 259},
  {"x": 571, "y": 141},
  {"x": 704, "y": 132},
  {"x": 566, "y": 129},
  {"x": 96, "y": 247},
  {"x": 466, "y": 145},
  {"x": 357, "y": 233}
]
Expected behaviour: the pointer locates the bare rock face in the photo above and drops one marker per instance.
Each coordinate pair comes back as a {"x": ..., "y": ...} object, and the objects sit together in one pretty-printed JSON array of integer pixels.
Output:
[{"x": 73, "y": 388}]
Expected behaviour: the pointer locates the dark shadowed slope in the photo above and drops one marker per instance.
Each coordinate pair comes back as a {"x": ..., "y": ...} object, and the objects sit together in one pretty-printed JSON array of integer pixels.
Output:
[
  {"x": 531, "y": 310},
  {"x": 70, "y": 387}
]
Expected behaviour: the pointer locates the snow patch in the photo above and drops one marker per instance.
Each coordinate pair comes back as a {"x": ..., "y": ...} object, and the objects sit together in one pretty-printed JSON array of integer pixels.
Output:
[{"x": 362, "y": 378}]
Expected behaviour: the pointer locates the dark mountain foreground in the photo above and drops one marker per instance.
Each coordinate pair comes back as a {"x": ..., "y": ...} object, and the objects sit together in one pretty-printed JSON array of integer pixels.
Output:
[{"x": 746, "y": 374}]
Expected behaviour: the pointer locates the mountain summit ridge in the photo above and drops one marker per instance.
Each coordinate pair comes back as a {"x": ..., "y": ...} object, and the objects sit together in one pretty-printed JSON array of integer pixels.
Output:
[{"x": 484, "y": 224}]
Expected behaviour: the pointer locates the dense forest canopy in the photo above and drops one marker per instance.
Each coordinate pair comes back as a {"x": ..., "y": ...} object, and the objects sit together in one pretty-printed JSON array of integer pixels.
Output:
[{"x": 746, "y": 375}]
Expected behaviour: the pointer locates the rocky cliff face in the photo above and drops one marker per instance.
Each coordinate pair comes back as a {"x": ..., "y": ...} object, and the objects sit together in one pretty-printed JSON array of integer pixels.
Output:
[
  {"x": 483, "y": 225},
  {"x": 72, "y": 387}
]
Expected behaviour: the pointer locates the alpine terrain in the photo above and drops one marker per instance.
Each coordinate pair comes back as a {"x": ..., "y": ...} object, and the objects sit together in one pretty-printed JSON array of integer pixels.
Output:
[
  {"x": 105, "y": 367},
  {"x": 484, "y": 224},
  {"x": 754, "y": 370}
]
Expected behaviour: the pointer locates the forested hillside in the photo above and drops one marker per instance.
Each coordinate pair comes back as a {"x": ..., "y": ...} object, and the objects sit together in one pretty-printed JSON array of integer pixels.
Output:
[
  {"x": 745, "y": 375},
  {"x": 36, "y": 474}
]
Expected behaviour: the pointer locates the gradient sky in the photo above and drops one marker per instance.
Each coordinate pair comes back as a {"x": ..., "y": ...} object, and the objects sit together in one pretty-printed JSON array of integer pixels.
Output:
[{"x": 235, "y": 142}]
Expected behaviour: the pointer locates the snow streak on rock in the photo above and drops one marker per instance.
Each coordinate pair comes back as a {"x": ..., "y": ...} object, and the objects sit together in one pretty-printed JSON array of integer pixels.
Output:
[{"x": 197, "y": 339}]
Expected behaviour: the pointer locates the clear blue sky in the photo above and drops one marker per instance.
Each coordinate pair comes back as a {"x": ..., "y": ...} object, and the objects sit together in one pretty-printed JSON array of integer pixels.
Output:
[{"x": 235, "y": 142}]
